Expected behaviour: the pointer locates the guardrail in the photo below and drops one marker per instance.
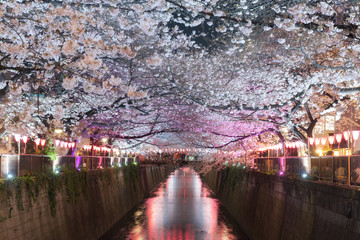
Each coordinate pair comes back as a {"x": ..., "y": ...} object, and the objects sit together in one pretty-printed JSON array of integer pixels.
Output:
[
  {"x": 13, "y": 165},
  {"x": 342, "y": 169}
]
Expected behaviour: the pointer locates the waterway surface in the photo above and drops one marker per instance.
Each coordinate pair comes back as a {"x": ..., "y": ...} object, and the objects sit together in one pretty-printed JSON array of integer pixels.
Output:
[{"x": 181, "y": 208}]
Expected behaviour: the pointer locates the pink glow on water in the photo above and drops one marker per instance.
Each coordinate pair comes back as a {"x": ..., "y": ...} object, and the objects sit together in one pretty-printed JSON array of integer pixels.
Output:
[{"x": 182, "y": 208}]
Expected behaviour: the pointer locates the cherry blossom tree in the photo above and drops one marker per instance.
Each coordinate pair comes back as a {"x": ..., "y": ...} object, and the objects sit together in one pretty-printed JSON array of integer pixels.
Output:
[{"x": 206, "y": 74}]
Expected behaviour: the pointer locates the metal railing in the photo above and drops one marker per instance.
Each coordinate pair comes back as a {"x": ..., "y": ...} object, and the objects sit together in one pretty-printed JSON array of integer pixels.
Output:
[
  {"x": 34, "y": 163},
  {"x": 342, "y": 169}
]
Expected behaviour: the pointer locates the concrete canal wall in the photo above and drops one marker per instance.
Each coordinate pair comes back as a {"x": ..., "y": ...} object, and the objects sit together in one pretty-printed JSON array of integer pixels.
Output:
[
  {"x": 107, "y": 199},
  {"x": 271, "y": 207}
]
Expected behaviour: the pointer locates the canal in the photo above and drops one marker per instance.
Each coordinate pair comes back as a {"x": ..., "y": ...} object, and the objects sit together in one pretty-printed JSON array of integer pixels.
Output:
[{"x": 182, "y": 208}]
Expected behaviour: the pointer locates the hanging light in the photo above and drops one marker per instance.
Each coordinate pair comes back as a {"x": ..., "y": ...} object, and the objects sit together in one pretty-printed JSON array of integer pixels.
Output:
[
  {"x": 323, "y": 141},
  {"x": 37, "y": 141},
  {"x": 17, "y": 137},
  {"x": 57, "y": 143},
  {"x": 42, "y": 142},
  {"x": 355, "y": 135},
  {"x": 338, "y": 137},
  {"x": 346, "y": 135},
  {"x": 317, "y": 141},
  {"x": 25, "y": 139},
  {"x": 311, "y": 141},
  {"x": 331, "y": 139}
]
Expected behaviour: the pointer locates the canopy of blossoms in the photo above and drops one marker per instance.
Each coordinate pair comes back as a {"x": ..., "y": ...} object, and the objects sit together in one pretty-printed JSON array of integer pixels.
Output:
[{"x": 205, "y": 73}]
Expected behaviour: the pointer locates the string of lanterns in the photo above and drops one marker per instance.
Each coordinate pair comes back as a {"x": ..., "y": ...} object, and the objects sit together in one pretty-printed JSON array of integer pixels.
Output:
[
  {"x": 338, "y": 137},
  {"x": 64, "y": 144}
]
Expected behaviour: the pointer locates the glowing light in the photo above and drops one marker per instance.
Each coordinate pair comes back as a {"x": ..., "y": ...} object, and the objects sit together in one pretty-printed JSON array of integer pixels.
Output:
[
  {"x": 311, "y": 141},
  {"x": 281, "y": 173},
  {"x": 320, "y": 152},
  {"x": 78, "y": 161},
  {"x": 355, "y": 135},
  {"x": 37, "y": 141},
  {"x": 57, "y": 143},
  {"x": 346, "y": 136},
  {"x": 17, "y": 137},
  {"x": 331, "y": 139},
  {"x": 323, "y": 141},
  {"x": 338, "y": 137},
  {"x": 58, "y": 130},
  {"x": 317, "y": 141},
  {"x": 336, "y": 153},
  {"x": 25, "y": 139},
  {"x": 42, "y": 142},
  {"x": 304, "y": 175},
  {"x": 9, "y": 176}
]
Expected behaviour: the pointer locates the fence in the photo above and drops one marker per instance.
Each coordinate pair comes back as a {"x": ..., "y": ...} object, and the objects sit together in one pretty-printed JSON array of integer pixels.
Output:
[
  {"x": 11, "y": 164},
  {"x": 343, "y": 169}
]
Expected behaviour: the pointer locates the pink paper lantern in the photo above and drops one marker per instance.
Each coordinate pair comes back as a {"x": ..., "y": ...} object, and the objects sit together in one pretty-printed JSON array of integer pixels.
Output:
[
  {"x": 317, "y": 141},
  {"x": 311, "y": 141},
  {"x": 57, "y": 143},
  {"x": 338, "y": 137},
  {"x": 25, "y": 139},
  {"x": 42, "y": 142},
  {"x": 331, "y": 139},
  {"x": 37, "y": 141},
  {"x": 323, "y": 141},
  {"x": 355, "y": 135},
  {"x": 346, "y": 136},
  {"x": 17, "y": 137}
]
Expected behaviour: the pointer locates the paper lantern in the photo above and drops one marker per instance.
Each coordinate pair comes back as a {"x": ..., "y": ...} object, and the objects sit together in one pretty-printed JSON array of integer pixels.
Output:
[
  {"x": 311, "y": 141},
  {"x": 331, "y": 139},
  {"x": 338, "y": 137},
  {"x": 37, "y": 141},
  {"x": 355, "y": 135},
  {"x": 57, "y": 143},
  {"x": 42, "y": 142},
  {"x": 323, "y": 141},
  {"x": 25, "y": 139},
  {"x": 17, "y": 137},
  {"x": 346, "y": 136},
  {"x": 317, "y": 141}
]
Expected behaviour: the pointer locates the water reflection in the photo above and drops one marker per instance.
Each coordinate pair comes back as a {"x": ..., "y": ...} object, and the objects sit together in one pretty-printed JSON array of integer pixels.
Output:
[{"x": 181, "y": 208}]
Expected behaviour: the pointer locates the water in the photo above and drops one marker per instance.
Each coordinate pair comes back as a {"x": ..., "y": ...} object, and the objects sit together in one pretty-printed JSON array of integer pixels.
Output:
[{"x": 181, "y": 208}]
